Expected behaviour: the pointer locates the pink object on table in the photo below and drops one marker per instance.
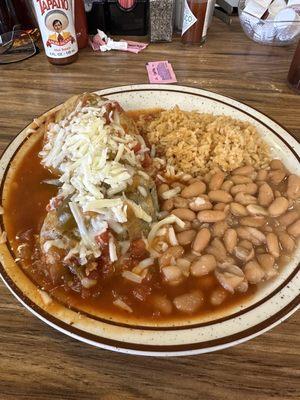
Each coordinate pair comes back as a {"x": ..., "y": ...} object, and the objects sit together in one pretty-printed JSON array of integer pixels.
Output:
[
  {"x": 160, "y": 72},
  {"x": 126, "y": 3}
]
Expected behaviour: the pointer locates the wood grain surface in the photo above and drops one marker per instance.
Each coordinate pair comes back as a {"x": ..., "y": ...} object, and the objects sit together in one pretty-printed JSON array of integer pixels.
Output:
[{"x": 37, "y": 362}]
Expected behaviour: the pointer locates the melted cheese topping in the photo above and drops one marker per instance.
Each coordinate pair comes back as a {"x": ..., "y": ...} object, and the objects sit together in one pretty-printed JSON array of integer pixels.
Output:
[{"x": 95, "y": 162}]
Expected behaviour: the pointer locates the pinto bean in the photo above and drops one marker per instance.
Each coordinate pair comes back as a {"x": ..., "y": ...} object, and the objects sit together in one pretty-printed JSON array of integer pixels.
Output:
[
  {"x": 276, "y": 176},
  {"x": 230, "y": 239},
  {"x": 162, "y": 304},
  {"x": 216, "y": 180},
  {"x": 294, "y": 229},
  {"x": 276, "y": 164},
  {"x": 240, "y": 179},
  {"x": 220, "y": 196},
  {"x": 245, "y": 199},
  {"x": 162, "y": 188},
  {"x": 193, "y": 190},
  {"x": 238, "y": 210},
  {"x": 168, "y": 205},
  {"x": 246, "y": 170},
  {"x": 187, "y": 225},
  {"x": 253, "y": 272},
  {"x": 287, "y": 243},
  {"x": 278, "y": 207},
  {"x": 186, "y": 237},
  {"x": 265, "y": 195},
  {"x": 254, "y": 209},
  {"x": 200, "y": 203},
  {"x": 217, "y": 249},
  {"x": 288, "y": 218},
  {"x": 293, "y": 187},
  {"x": 184, "y": 264},
  {"x": 177, "y": 185},
  {"x": 267, "y": 262},
  {"x": 184, "y": 213},
  {"x": 204, "y": 265},
  {"x": 218, "y": 296},
  {"x": 211, "y": 216},
  {"x": 172, "y": 275},
  {"x": 257, "y": 236},
  {"x": 227, "y": 185},
  {"x": 201, "y": 240},
  {"x": 180, "y": 202},
  {"x": 220, "y": 206},
  {"x": 255, "y": 222},
  {"x": 262, "y": 175},
  {"x": 219, "y": 228},
  {"x": 250, "y": 188},
  {"x": 189, "y": 302},
  {"x": 273, "y": 244},
  {"x": 244, "y": 254},
  {"x": 173, "y": 252}
]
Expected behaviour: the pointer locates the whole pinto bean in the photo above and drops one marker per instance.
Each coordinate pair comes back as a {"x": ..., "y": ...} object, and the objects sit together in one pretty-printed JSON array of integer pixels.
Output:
[
  {"x": 211, "y": 216},
  {"x": 254, "y": 209},
  {"x": 219, "y": 228},
  {"x": 240, "y": 179},
  {"x": 252, "y": 234},
  {"x": 294, "y": 229},
  {"x": 201, "y": 240},
  {"x": 204, "y": 265},
  {"x": 220, "y": 196},
  {"x": 186, "y": 237},
  {"x": 227, "y": 185},
  {"x": 262, "y": 175},
  {"x": 217, "y": 249},
  {"x": 265, "y": 195},
  {"x": 250, "y": 188},
  {"x": 216, "y": 180},
  {"x": 200, "y": 203},
  {"x": 276, "y": 176},
  {"x": 238, "y": 210},
  {"x": 287, "y": 243},
  {"x": 293, "y": 187},
  {"x": 230, "y": 239},
  {"x": 168, "y": 205},
  {"x": 273, "y": 244},
  {"x": 255, "y": 222},
  {"x": 245, "y": 199},
  {"x": 276, "y": 164},
  {"x": 193, "y": 190},
  {"x": 253, "y": 272},
  {"x": 278, "y": 207},
  {"x": 172, "y": 275},
  {"x": 246, "y": 170},
  {"x": 288, "y": 218},
  {"x": 184, "y": 213},
  {"x": 180, "y": 202}
]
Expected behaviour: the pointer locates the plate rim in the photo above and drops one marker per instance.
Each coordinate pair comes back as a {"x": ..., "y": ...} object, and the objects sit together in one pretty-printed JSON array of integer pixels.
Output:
[{"x": 290, "y": 308}]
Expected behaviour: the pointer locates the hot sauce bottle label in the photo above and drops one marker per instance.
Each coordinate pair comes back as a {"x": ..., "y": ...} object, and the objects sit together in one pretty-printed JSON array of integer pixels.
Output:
[
  {"x": 189, "y": 18},
  {"x": 55, "y": 18}
]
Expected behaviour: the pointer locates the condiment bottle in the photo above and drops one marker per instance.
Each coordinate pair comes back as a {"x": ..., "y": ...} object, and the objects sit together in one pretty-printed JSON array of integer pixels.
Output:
[
  {"x": 55, "y": 19},
  {"x": 161, "y": 20},
  {"x": 194, "y": 19},
  {"x": 80, "y": 24},
  {"x": 294, "y": 72}
]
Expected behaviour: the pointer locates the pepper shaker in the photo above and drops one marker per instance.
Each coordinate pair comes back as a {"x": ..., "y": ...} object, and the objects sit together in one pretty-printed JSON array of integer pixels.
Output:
[{"x": 161, "y": 20}]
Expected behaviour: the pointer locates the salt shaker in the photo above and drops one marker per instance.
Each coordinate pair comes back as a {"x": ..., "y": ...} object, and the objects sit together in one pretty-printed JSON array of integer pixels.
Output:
[{"x": 161, "y": 20}]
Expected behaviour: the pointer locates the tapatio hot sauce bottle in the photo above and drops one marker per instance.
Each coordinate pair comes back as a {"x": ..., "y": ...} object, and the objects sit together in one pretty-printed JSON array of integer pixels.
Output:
[{"x": 55, "y": 19}]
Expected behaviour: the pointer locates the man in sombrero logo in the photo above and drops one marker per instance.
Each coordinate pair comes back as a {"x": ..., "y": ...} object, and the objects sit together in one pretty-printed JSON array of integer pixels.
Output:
[{"x": 57, "y": 22}]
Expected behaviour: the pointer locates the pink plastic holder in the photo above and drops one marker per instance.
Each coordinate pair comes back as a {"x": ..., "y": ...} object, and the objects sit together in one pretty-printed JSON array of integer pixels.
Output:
[{"x": 160, "y": 72}]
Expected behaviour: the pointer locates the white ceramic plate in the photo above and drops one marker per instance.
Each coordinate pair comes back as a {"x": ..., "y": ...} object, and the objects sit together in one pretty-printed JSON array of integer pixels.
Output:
[{"x": 273, "y": 303}]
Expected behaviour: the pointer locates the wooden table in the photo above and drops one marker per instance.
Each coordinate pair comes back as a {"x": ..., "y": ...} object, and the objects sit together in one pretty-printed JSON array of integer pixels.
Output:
[{"x": 37, "y": 362}]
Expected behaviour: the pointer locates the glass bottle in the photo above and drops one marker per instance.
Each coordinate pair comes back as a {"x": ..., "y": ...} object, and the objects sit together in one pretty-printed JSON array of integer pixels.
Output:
[
  {"x": 194, "y": 16},
  {"x": 57, "y": 30},
  {"x": 294, "y": 72},
  {"x": 80, "y": 24}
]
